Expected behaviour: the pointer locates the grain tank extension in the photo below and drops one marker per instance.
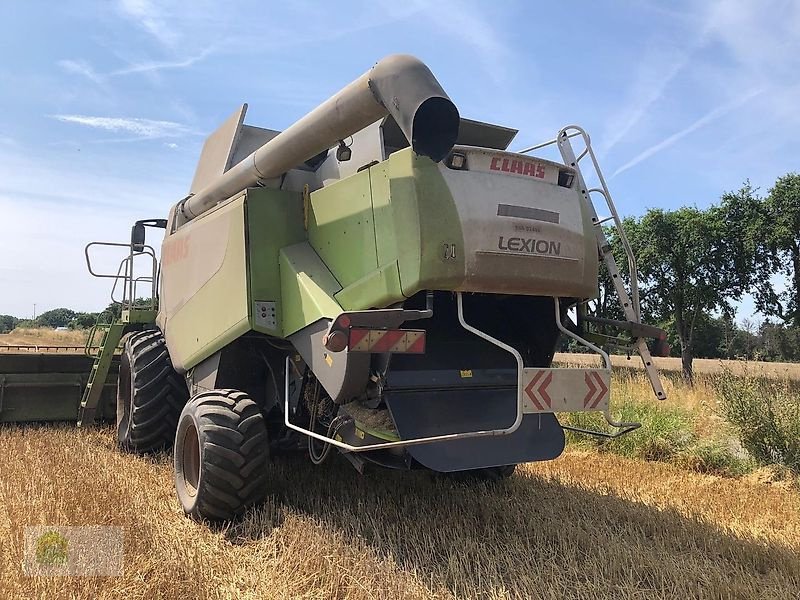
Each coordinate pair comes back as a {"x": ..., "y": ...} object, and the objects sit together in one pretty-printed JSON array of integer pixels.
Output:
[{"x": 384, "y": 279}]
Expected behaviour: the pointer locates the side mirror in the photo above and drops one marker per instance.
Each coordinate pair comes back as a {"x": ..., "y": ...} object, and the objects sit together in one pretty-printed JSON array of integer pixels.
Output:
[{"x": 137, "y": 237}]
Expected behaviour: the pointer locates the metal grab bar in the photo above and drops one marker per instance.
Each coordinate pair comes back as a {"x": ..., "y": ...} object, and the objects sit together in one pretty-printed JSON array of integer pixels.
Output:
[{"x": 424, "y": 440}]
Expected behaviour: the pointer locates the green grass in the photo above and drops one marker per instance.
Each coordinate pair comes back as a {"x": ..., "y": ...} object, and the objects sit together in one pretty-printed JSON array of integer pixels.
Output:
[
  {"x": 765, "y": 414},
  {"x": 669, "y": 432}
]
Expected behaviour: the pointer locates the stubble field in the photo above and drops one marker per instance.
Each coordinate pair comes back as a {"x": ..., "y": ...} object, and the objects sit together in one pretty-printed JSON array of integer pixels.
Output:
[{"x": 590, "y": 524}]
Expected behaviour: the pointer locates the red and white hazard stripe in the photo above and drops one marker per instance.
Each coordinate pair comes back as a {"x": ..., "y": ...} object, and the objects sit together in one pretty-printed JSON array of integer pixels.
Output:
[{"x": 411, "y": 341}]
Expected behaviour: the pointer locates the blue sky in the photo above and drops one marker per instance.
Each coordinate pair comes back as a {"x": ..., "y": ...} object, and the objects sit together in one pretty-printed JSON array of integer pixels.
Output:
[{"x": 104, "y": 106}]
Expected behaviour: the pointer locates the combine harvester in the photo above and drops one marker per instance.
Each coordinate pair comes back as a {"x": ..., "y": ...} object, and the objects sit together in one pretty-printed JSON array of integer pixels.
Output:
[{"x": 384, "y": 278}]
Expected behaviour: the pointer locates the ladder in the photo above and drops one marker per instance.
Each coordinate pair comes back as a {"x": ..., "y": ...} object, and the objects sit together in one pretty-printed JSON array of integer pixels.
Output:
[
  {"x": 130, "y": 319},
  {"x": 630, "y": 302},
  {"x": 135, "y": 313},
  {"x": 111, "y": 335}
]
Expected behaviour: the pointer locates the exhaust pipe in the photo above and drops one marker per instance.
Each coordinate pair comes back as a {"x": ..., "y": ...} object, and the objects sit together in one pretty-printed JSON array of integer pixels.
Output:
[{"x": 399, "y": 85}]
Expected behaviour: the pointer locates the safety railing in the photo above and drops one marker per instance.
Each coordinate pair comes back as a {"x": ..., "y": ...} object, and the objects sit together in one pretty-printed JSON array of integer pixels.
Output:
[
  {"x": 126, "y": 274},
  {"x": 562, "y": 141}
]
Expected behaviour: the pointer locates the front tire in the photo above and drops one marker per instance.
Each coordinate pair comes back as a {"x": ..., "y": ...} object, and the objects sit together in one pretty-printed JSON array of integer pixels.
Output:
[
  {"x": 150, "y": 394},
  {"x": 221, "y": 454}
]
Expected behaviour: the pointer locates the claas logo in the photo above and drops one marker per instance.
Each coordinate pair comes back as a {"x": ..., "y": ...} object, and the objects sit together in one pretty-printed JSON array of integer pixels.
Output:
[
  {"x": 174, "y": 250},
  {"x": 521, "y": 167}
]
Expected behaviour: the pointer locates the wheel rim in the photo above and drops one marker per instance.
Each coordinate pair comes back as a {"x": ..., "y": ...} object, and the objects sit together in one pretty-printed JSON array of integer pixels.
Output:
[{"x": 190, "y": 453}]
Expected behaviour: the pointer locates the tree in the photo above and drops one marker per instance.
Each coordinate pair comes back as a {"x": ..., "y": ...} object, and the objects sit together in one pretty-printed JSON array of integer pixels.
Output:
[
  {"x": 689, "y": 267},
  {"x": 780, "y": 231},
  {"x": 7, "y": 323},
  {"x": 58, "y": 317},
  {"x": 83, "y": 320},
  {"x": 778, "y": 342},
  {"x": 607, "y": 304}
]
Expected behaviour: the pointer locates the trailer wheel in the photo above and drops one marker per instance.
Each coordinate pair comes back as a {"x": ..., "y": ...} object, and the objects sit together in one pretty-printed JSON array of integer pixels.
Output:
[
  {"x": 221, "y": 454},
  {"x": 150, "y": 394}
]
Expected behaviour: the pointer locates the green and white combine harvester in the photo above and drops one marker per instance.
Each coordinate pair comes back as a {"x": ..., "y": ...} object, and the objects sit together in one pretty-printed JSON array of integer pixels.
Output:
[{"x": 384, "y": 278}]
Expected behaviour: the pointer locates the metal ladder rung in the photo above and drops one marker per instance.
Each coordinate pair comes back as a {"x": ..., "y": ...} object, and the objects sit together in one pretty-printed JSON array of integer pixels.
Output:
[{"x": 605, "y": 220}]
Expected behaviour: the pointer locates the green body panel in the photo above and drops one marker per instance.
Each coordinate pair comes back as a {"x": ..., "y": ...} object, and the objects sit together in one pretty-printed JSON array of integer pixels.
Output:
[
  {"x": 228, "y": 260},
  {"x": 138, "y": 316},
  {"x": 421, "y": 214},
  {"x": 377, "y": 289},
  {"x": 307, "y": 288},
  {"x": 373, "y": 234},
  {"x": 205, "y": 294},
  {"x": 341, "y": 227},
  {"x": 274, "y": 221}
]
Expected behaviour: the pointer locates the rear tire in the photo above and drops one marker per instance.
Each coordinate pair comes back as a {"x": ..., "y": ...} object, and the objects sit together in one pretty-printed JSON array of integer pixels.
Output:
[
  {"x": 221, "y": 454},
  {"x": 150, "y": 394}
]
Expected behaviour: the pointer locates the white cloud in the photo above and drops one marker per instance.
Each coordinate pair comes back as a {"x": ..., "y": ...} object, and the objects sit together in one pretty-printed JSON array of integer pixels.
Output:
[
  {"x": 661, "y": 63},
  {"x": 81, "y": 67},
  {"x": 149, "y": 66},
  {"x": 171, "y": 145},
  {"x": 652, "y": 80},
  {"x": 675, "y": 137},
  {"x": 722, "y": 49},
  {"x": 150, "y": 18},
  {"x": 142, "y": 128}
]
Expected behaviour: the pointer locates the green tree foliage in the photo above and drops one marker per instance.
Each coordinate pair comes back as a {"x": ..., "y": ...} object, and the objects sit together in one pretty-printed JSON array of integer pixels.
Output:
[
  {"x": 58, "y": 317},
  {"x": 83, "y": 320},
  {"x": 779, "y": 229},
  {"x": 7, "y": 323},
  {"x": 776, "y": 341},
  {"x": 689, "y": 267}
]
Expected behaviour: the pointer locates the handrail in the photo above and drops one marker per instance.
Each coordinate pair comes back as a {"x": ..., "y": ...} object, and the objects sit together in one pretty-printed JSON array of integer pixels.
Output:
[
  {"x": 8, "y": 348},
  {"x": 125, "y": 273},
  {"x": 429, "y": 439},
  {"x": 563, "y": 138}
]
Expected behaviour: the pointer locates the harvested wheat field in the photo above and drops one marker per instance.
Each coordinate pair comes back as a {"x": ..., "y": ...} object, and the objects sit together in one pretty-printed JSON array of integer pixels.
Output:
[
  {"x": 43, "y": 337},
  {"x": 587, "y": 525},
  {"x": 708, "y": 366}
]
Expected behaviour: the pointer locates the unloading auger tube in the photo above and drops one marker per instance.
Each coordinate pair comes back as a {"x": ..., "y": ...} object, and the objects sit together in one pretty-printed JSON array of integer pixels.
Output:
[{"x": 399, "y": 85}]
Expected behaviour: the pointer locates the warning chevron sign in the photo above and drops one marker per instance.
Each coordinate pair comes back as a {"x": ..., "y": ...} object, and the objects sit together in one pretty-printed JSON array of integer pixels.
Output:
[
  {"x": 411, "y": 341},
  {"x": 598, "y": 390},
  {"x": 537, "y": 389},
  {"x": 564, "y": 390}
]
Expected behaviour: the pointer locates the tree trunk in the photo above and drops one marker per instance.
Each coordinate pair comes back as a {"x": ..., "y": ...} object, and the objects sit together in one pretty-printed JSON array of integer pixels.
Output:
[{"x": 686, "y": 363}]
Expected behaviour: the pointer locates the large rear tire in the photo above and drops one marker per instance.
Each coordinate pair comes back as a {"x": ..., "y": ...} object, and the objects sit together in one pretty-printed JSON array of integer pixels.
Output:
[
  {"x": 150, "y": 394},
  {"x": 221, "y": 454}
]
